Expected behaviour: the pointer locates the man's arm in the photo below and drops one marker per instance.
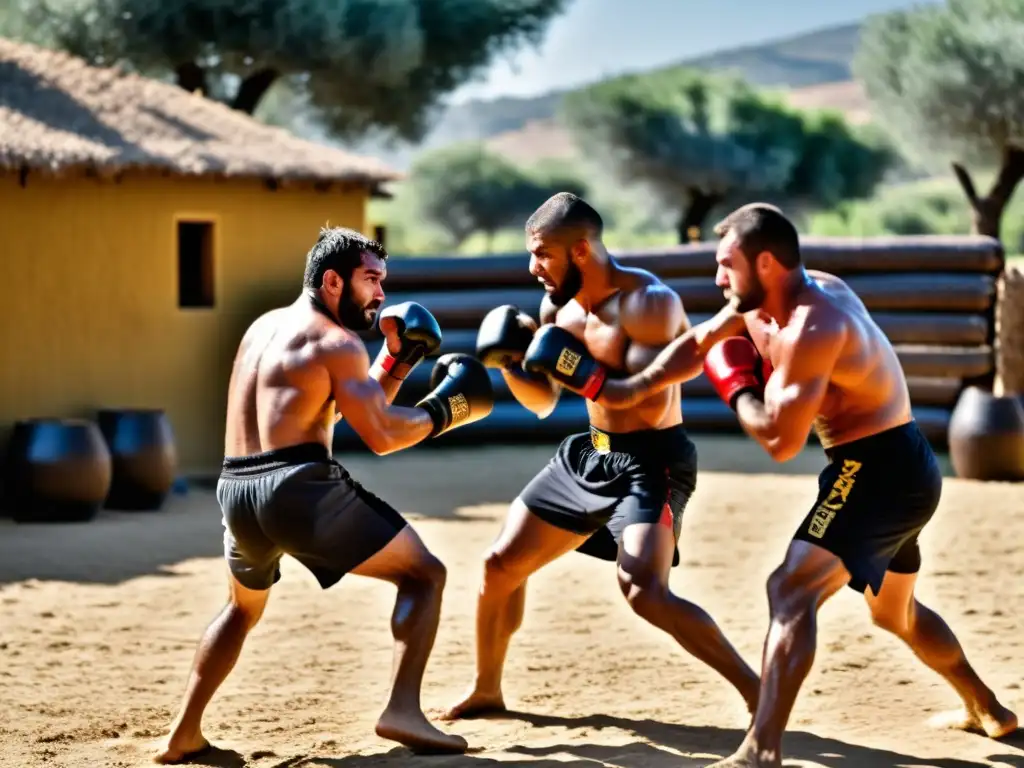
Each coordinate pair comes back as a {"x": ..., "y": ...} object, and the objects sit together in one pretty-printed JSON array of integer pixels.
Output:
[
  {"x": 411, "y": 333},
  {"x": 680, "y": 361},
  {"x": 650, "y": 316},
  {"x": 388, "y": 383},
  {"x": 795, "y": 390},
  {"x": 535, "y": 392},
  {"x": 364, "y": 404}
]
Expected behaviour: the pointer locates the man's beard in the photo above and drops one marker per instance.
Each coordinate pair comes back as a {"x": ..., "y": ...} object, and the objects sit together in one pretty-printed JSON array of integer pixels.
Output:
[
  {"x": 568, "y": 288},
  {"x": 353, "y": 315},
  {"x": 752, "y": 299}
]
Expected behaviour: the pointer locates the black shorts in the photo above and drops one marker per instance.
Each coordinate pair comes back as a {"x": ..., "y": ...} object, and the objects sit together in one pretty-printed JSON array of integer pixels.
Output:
[
  {"x": 874, "y": 498},
  {"x": 298, "y": 501},
  {"x": 598, "y": 483}
]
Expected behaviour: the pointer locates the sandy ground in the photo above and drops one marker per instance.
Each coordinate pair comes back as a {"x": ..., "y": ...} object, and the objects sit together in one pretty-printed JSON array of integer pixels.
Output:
[{"x": 98, "y": 625}]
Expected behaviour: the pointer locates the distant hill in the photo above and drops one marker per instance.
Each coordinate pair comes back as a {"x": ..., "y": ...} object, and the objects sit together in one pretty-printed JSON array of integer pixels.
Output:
[
  {"x": 546, "y": 138},
  {"x": 526, "y": 127},
  {"x": 823, "y": 56}
]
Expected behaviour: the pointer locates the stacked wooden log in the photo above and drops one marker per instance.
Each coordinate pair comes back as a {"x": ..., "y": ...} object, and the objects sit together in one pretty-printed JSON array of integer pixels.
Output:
[{"x": 1010, "y": 333}]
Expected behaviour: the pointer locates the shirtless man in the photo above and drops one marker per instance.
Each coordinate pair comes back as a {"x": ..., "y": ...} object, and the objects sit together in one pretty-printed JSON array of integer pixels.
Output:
[
  {"x": 616, "y": 492},
  {"x": 299, "y": 369},
  {"x": 812, "y": 355}
]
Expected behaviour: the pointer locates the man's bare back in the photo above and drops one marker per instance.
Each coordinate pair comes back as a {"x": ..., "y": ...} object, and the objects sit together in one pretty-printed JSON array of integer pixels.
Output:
[
  {"x": 280, "y": 392},
  {"x": 867, "y": 389}
]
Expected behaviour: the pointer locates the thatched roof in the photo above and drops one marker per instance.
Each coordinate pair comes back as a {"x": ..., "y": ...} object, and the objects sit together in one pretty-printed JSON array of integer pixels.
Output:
[{"x": 60, "y": 115}]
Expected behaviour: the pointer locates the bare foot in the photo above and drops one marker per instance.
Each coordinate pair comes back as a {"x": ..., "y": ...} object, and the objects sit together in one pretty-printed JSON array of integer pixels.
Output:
[
  {"x": 995, "y": 723},
  {"x": 747, "y": 757},
  {"x": 179, "y": 749},
  {"x": 475, "y": 704},
  {"x": 414, "y": 731}
]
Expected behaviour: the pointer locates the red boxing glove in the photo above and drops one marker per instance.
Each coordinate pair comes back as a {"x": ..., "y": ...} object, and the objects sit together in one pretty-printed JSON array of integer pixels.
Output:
[{"x": 734, "y": 367}]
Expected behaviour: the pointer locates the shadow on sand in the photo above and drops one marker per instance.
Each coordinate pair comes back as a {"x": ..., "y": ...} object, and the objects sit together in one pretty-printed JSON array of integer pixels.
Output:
[{"x": 665, "y": 745}]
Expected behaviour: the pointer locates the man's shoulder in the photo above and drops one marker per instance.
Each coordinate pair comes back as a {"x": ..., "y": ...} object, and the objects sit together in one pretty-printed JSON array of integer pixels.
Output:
[
  {"x": 320, "y": 337},
  {"x": 648, "y": 296},
  {"x": 335, "y": 341},
  {"x": 650, "y": 312},
  {"x": 268, "y": 319},
  {"x": 828, "y": 282},
  {"x": 818, "y": 324}
]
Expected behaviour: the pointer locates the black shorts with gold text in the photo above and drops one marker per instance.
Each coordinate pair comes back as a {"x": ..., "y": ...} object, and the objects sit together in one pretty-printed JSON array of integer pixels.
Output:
[{"x": 874, "y": 498}]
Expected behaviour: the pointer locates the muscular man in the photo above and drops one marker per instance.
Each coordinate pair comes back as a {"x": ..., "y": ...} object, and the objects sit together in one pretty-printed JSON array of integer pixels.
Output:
[
  {"x": 616, "y": 492},
  {"x": 813, "y": 356},
  {"x": 281, "y": 492}
]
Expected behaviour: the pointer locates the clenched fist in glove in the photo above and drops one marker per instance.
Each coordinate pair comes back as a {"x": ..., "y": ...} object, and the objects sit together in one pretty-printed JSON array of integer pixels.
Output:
[
  {"x": 410, "y": 334},
  {"x": 734, "y": 367},
  {"x": 461, "y": 392},
  {"x": 504, "y": 336},
  {"x": 557, "y": 353}
]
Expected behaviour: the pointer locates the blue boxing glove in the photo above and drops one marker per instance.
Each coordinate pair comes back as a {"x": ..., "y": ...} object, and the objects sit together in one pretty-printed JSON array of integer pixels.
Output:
[{"x": 557, "y": 353}]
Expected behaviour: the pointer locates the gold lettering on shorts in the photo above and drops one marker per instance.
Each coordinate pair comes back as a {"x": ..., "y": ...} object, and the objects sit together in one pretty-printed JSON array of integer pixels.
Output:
[
  {"x": 459, "y": 407},
  {"x": 601, "y": 442},
  {"x": 567, "y": 362},
  {"x": 826, "y": 511}
]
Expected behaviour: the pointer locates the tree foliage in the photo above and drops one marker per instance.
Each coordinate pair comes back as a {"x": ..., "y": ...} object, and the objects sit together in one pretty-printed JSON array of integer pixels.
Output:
[
  {"x": 947, "y": 82},
  {"x": 698, "y": 139},
  {"x": 466, "y": 189},
  {"x": 357, "y": 64}
]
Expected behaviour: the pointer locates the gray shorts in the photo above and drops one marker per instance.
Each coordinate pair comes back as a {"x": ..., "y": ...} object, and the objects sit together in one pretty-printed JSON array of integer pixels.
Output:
[{"x": 300, "y": 502}]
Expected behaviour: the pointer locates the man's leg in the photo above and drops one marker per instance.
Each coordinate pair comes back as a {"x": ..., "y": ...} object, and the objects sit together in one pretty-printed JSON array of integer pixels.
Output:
[
  {"x": 796, "y": 590},
  {"x": 897, "y": 610},
  {"x": 420, "y": 578},
  {"x": 215, "y": 657},
  {"x": 525, "y": 544},
  {"x": 645, "y": 560}
]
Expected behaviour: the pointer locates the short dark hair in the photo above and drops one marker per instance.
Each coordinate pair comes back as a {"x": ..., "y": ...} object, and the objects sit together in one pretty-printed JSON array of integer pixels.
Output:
[
  {"x": 762, "y": 227},
  {"x": 339, "y": 249},
  {"x": 566, "y": 214}
]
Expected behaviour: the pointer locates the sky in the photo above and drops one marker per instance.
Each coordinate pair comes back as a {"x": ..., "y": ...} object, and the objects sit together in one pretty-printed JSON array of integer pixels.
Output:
[{"x": 597, "y": 38}]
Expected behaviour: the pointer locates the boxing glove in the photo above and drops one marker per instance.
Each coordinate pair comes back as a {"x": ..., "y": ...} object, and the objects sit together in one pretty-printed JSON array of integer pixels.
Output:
[
  {"x": 734, "y": 367},
  {"x": 556, "y": 352},
  {"x": 461, "y": 392},
  {"x": 504, "y": 335},
  {"x": 417, "y": 332}
]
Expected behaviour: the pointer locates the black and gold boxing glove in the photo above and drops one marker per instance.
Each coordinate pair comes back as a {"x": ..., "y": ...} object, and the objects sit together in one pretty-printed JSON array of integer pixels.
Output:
[
  {"x": 461, "y": 393},
  {"x": 557, "y": 353}
]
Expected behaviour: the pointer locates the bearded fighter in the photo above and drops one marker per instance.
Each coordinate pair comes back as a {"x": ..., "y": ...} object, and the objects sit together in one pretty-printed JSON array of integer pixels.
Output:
[
  {"x": 615, "y": 492},
  {"x": 795, "y": 349}
]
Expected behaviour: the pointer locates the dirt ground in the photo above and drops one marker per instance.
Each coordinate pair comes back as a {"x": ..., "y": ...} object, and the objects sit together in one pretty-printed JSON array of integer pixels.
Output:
[{"x": 98, "y": 625}]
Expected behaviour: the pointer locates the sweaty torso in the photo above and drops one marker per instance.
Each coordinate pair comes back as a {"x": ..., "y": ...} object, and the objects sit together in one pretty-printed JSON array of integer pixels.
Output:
[
  {"x": 605, "y": 332},
  {"x": 867, "y": 391},
  {"x": 280, "y": 392}
]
